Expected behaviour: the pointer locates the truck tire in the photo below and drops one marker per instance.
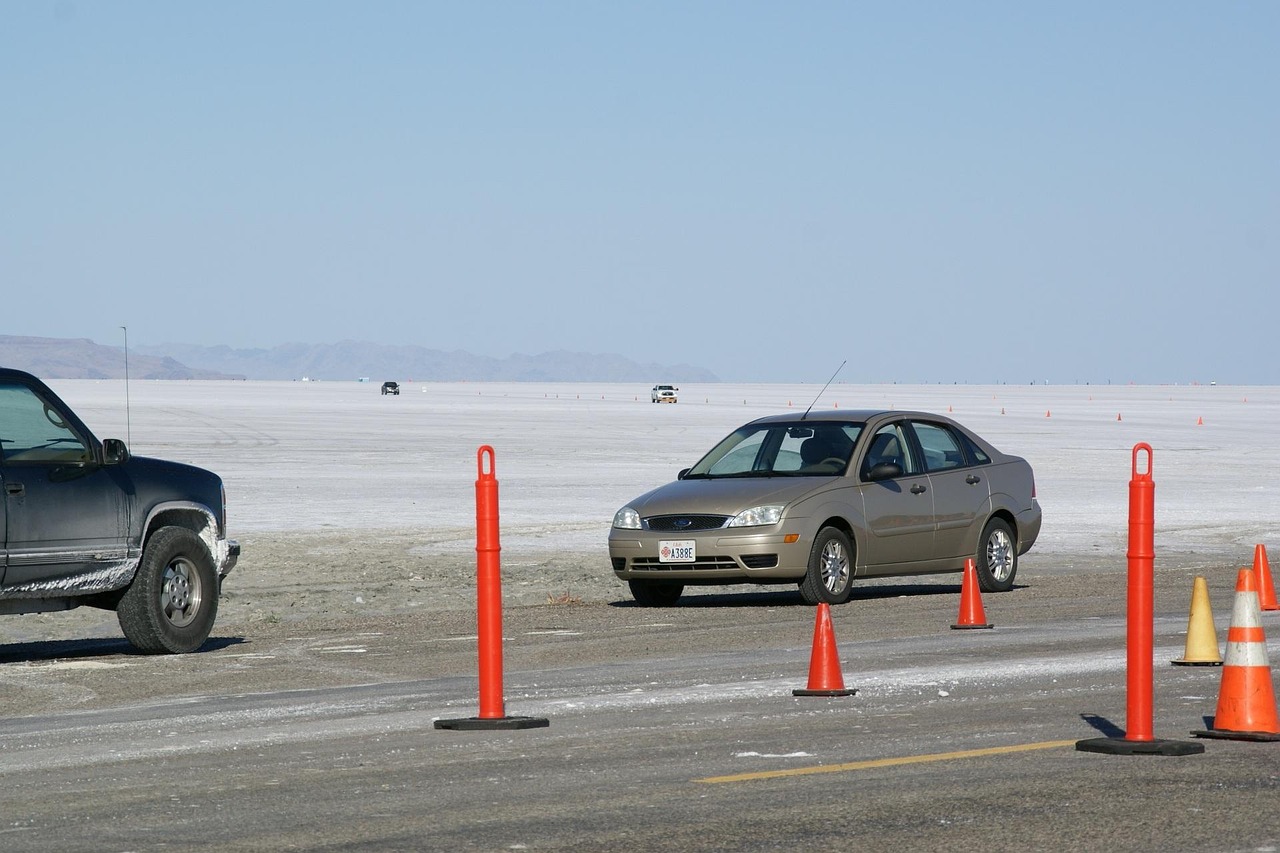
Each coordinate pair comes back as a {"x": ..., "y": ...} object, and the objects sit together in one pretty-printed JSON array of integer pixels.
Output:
[{"x": 171, "y": 604}]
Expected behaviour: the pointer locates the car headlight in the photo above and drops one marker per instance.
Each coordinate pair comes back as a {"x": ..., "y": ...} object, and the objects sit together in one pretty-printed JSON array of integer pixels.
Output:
[
  {"x": 757, "y": 515},
  {"x": 627, "y": 519}
]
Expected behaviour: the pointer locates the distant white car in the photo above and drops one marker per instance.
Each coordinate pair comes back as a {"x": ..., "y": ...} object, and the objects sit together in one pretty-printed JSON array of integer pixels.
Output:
[{"x": 663, "y": 394}]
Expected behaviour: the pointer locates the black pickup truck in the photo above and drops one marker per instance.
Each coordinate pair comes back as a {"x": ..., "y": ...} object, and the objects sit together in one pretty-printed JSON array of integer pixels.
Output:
[{"x": 83, "y": 522}]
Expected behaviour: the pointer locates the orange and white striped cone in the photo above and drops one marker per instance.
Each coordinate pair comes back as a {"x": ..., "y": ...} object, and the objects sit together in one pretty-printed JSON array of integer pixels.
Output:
[{"x": 1246, "y": 698}]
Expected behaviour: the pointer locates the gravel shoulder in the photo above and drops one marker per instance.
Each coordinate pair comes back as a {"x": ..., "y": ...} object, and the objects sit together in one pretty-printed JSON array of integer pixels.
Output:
[{"x": 337, "y": 608}]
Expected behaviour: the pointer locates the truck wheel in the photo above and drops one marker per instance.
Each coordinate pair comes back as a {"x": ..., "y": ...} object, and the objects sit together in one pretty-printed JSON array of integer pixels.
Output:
[{"x": 171, "y": 604}]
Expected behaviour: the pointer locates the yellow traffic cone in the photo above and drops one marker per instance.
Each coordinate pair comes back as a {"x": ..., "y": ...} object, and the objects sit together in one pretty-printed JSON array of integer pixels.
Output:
[{"x": 1202, "y": 637}]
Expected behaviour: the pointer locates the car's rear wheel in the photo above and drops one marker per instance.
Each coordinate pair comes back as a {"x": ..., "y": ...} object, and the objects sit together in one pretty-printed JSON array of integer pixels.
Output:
[
  {"x": 655, "y": 593},
  {"x": 997, "y": 558},
  {"x": 173, "y": 600},
  {"x": 830, "y": 574}
]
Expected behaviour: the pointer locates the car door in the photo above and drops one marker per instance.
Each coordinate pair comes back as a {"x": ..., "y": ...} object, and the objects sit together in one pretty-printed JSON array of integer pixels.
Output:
[
  {"x": 961, "y": 490},
  {"x": 898, "y": 510},
  {"x": 64, "y": 513}
]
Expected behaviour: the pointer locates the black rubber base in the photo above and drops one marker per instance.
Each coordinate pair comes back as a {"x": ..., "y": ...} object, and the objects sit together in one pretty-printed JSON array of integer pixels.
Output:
[
  {"x": 1196, "y": 662},
  {"x": 1121, "y": 746},
  {"x": 962, "y": 627},
  {"x": 471, "y": 724},
  {"x": 1226, "y": 734},
  {"x": 844, "y": 691}
]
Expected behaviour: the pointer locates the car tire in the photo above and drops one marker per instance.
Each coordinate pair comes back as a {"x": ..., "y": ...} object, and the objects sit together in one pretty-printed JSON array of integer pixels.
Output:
[
  {"x": 997, "y": 557},
  {"x": 829, "y": 577},
  {"x": 655, "y": 593},
  {"x": 173, "y": 600}
]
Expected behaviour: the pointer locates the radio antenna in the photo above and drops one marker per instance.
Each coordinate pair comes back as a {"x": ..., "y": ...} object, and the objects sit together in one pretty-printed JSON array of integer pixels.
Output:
[
  {"x": 128, "y": 419},
  {"x": 824, "y": 388}
]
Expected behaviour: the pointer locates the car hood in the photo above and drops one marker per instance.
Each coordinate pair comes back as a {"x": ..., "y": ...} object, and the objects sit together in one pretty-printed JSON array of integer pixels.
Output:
[{"x": 726, "y": 496}]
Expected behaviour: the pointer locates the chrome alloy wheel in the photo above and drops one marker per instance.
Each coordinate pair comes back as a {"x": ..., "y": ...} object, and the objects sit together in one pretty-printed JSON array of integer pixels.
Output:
[
  {"x": 1000, "y": 556},
  {"x": 180, "y": 592},
  {"x": 835, "y": 566}
]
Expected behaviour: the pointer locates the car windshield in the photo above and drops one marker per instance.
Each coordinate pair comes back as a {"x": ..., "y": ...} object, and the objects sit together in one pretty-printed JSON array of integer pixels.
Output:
[{"x": 795, "y": 449}]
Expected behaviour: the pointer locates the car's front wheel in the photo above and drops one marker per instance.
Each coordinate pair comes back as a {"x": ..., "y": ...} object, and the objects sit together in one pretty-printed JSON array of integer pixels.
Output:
[
  {"x": 655, "y": 593},
  {"x": 171, "y": 604},
  {"x": 997, "y": 558},
  {"x": 830, "y": 574}
]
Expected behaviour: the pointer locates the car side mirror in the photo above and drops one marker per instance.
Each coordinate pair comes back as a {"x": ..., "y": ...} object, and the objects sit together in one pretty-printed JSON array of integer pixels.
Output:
[
  {"x": 114, "y": 452},
  {"x": 884, "y": 471},
  {"x": 682, "y": 473}
]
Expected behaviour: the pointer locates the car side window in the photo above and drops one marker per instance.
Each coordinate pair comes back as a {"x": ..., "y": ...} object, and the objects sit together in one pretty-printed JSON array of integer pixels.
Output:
[
  {"x": 941, "y": 446},
  {"x": 33, "y": 431},
  {"x": 889, "y": 444},
  {"x": 976, "y": 453}
]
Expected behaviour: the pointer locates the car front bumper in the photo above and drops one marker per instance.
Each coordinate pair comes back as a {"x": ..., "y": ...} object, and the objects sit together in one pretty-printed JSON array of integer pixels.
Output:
[{"x": 720, "y": 556}]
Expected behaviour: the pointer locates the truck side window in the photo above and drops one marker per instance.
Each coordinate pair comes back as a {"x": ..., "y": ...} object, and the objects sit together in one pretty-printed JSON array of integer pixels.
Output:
[{"x": 33, "y": 431}]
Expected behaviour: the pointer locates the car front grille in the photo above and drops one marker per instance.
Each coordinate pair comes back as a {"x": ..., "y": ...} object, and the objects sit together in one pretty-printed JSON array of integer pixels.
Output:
[
  {"x": 685, "y": 523},
  {"x": 651, "y": 564}
]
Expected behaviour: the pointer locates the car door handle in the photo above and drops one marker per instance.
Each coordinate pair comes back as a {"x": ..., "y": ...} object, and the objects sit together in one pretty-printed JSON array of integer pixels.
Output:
[
  {"x": 918, "y": 489},
  {"x": 973, "y": 479},
  {"x": 17, "y": 490}
]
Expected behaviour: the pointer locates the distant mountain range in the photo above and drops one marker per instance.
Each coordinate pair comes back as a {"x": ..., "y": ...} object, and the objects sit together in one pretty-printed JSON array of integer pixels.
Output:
[{"x": 80, "y": 358}]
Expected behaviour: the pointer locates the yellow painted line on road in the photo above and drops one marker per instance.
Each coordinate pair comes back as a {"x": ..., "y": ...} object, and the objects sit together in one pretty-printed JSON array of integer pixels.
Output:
[{"x": 887, "y": 762}]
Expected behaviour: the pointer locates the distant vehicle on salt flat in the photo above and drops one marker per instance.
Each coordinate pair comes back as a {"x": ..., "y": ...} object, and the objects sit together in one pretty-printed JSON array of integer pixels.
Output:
[
  {"x": 391, "y": 388},
  {"x": 663, "y": 394}
]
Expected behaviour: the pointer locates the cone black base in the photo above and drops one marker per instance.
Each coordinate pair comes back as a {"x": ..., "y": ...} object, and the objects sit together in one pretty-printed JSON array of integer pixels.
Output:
[
  {"x": 844, "y": 691},
  {"x": 471, "y": 724},
  {"x": 1196, "y": 662},
  {"x": 1121, "y": 746},
  {"x": 1227, "y": 734},
  {"x": 963, "y": 627}
]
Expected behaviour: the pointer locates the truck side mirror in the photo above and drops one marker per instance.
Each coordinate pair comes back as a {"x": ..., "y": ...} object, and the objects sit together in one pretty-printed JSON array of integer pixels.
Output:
[{"x": 114, "y": 452}]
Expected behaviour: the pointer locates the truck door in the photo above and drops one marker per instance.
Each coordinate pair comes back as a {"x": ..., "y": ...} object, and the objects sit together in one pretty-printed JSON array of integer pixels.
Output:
[{"x": 64, "y": 513}]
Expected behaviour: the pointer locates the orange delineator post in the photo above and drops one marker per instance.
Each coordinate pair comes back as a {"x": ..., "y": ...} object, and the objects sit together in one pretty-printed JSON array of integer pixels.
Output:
[
  {"x": 1140, "y": 684},
  {"x": 1141, "y": 626},
  {"x": 488, "y": 586},
  {"x": 489, "y": 608}
]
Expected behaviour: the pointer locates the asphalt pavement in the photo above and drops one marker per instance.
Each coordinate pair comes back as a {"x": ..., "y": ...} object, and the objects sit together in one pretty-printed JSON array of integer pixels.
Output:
[{"x": 667, "y": 729}]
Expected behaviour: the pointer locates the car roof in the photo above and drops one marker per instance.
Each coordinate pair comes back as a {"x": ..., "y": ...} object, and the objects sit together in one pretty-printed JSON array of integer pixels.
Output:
[
  {"x": 828, "y": 415},
  {"x": 845, "y": 416}
]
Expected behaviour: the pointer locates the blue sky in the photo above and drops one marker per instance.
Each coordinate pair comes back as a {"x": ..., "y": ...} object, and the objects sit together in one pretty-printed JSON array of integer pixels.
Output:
[{"x": 936, "y": 192}]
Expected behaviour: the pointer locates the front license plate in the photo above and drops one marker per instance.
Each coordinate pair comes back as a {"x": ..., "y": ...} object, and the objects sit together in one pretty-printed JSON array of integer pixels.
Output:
[{"x": 676, "y": 551}]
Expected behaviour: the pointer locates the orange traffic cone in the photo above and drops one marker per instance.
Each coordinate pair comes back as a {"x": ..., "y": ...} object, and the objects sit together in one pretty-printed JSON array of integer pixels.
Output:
[
  {"x": 1202, "y": 637},
  {"x": 1266, "y": 588},
  {"x": 971, "y": 613},
  {"x": 824, "y": 662},
  {"x": 1246, "y": 698}
]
